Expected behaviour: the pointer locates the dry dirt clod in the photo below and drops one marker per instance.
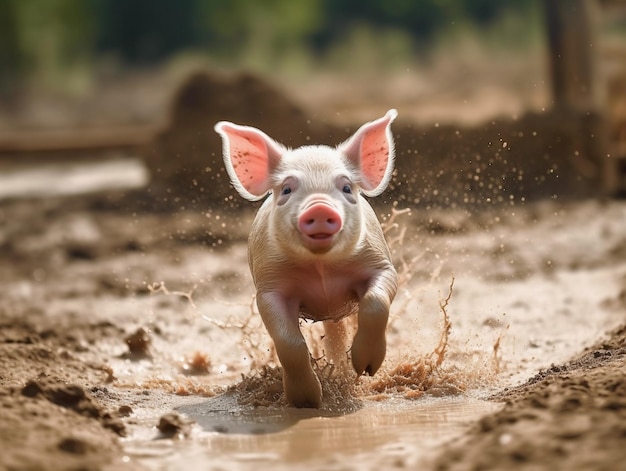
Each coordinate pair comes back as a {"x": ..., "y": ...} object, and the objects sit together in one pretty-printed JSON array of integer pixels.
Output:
[
  {"x": 125, "y": 410},
  {"x": 138, "y": 344},
  {"x": 73, "y": 397},
  {"x": 172, "y": 425},
  {"x": 73, "y": 445}
]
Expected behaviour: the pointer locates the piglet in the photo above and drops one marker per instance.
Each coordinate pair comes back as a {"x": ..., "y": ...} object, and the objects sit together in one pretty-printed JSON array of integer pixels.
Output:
[{"x": 316, "y": 249}]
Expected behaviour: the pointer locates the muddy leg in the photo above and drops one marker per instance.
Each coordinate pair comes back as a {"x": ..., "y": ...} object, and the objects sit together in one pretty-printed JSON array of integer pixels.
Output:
[
  {"x": 370, "y": 345},
  {"x": 302, "y": 387},
  {"x": 336, "y": 341}
]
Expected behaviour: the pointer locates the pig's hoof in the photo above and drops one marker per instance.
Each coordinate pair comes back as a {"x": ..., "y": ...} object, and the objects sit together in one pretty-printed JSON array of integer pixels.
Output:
[
  {"x": 368, "y": 354},
  {"x": 304, "y": 392}
]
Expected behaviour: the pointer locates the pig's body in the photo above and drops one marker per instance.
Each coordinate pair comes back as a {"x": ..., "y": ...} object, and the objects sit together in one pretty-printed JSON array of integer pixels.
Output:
[
  {"x": 325, "y": 288},
  {"x": 316, "y": 248}
]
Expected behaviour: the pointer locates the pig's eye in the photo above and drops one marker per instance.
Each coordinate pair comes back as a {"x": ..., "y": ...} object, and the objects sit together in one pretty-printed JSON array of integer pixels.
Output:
[
  {"x": 286, "y": 190},
  {"x": 347, "y": 189}
]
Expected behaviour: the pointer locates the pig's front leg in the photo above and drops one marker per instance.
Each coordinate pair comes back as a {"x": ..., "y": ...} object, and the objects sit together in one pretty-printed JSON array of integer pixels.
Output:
[
  {"x": 280, "y": 316},
  {"x": 370, "y": 345}
]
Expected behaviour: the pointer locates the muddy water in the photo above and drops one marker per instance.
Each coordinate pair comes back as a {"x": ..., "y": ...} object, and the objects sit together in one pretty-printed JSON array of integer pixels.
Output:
[{"x": 234, "y": 438}]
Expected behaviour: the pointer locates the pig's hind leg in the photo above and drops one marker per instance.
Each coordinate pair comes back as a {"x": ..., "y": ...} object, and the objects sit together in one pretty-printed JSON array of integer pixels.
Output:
[
  {"x": 336, "y": 335},
  {"x": 302, "y": 387}
]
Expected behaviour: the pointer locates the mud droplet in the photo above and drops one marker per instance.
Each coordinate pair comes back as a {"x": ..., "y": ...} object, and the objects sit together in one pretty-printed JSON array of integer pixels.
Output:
[{"x": 198, "y": 363}]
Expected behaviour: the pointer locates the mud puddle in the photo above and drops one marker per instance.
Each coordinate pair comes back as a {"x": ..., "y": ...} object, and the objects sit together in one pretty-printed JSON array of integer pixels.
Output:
[{"x": 229, "y": 436}]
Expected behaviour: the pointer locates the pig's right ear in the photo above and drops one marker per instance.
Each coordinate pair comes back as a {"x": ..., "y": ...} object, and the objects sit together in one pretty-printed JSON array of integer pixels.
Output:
[{"x": 250, "y": 157}]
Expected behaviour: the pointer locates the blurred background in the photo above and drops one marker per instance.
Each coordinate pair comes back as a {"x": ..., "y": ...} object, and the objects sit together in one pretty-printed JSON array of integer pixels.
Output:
[
  {"x": 106, "y": 79},
  {"x": 64, "y": 53}
]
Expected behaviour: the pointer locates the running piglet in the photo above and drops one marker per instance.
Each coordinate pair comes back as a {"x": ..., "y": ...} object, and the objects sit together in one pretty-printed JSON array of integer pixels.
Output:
[{"x": 316, "y": 249}]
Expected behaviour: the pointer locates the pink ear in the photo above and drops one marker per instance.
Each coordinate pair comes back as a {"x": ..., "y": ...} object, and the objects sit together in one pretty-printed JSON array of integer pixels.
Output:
[
  {"x": 250, "y": 157},
  {"x": 371, "y": 151}
]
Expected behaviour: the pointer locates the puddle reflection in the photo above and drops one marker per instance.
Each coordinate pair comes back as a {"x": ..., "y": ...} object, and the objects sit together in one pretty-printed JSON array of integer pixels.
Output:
[
  {"x": 222, "y": 414},
  {"x": 238, "y": 438}
]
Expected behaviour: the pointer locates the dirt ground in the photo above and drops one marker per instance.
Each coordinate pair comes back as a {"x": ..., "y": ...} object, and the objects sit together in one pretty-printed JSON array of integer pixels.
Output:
[
  {"x": 570, "y": 416},
  {"x": 114, "y": 323}
]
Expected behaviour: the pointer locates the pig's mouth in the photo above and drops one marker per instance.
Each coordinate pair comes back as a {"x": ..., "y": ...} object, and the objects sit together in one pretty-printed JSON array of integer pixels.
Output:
[
  {"x": 319, "y": 242},
  {"x": 321, "y": 235}
]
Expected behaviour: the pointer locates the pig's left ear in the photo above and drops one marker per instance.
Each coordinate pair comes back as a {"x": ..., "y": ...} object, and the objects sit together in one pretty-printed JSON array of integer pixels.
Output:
[
  {"x": 250, "y": 157},
  {"x": 371, "y": 151}
]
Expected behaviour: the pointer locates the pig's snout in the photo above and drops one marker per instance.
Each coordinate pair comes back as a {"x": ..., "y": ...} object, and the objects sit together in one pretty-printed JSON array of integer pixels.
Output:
[
  {"x": 318, "y": 223},
  {"x": 319, "y": 220}
]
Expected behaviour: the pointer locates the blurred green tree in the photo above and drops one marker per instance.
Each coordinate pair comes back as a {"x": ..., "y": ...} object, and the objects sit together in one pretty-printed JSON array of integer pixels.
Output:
[
  {"x": 145, "y": 31},
  {"x": 240, "y": 22},
  {"x": 420, "y": 18},
  {"x": 11, "y": 67},
  {"x": 47, "y": 38},
  {"x": 41, "y": 39}
]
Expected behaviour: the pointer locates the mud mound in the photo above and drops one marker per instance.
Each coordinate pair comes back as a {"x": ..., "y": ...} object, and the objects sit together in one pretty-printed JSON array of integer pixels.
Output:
[
  {"x": 506, "y": 161},
  {"x": 186, "y": 159},
  {"x": 555, "y": 154}
]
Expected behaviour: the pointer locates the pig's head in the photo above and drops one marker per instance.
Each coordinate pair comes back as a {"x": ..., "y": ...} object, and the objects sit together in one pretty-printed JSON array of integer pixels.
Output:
[{"x": 315, "y": 190}]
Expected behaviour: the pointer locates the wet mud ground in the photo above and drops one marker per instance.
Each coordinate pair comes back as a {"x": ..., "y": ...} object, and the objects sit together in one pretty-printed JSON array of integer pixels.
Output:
[{"x": 129, "y": 340}]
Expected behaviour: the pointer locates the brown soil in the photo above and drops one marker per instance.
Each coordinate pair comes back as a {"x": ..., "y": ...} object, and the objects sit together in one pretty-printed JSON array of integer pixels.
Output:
[
  {"x": 77, "y": 312},
  {"x": 53, "y": 416},
  {"x": 570, "y": 416}
]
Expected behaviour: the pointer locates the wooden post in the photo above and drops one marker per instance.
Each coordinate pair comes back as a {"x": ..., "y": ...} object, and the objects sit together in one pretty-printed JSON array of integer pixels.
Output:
[
  {"x": 576, "y": 89},
  {"x": 572, "y": 49}
]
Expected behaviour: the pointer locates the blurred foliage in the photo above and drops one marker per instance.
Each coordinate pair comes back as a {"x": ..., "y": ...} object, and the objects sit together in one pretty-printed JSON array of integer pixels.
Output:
[
  {"x": 421, "y": 18},
  {"x": 148, "y": 30},
  {"x": 10, "y": 58},
  {"x": 144, "y": 31},
  {"x": 43, "y": 39}
]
